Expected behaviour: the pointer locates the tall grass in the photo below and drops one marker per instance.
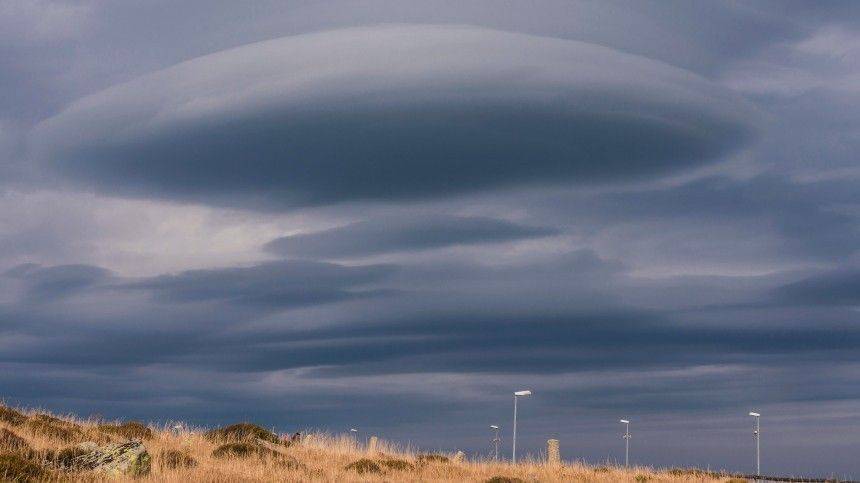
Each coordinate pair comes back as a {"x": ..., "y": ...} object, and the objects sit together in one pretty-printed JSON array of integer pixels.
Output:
[{"x": 318, "y": 457}]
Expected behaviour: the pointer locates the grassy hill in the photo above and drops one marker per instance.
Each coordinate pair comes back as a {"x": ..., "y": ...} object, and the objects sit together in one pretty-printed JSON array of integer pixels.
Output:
[{"x": 36, "y": 446}]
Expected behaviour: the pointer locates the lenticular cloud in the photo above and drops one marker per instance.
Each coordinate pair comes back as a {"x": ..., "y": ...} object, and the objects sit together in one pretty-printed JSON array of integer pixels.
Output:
[{"x": 390, "y": 113}]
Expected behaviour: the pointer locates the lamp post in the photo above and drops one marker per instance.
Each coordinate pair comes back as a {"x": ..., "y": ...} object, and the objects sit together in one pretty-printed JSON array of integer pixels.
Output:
[
  {"x": 496, "y": 440},
  {"x": 626, "y": 442},
  {"x": 757, "y": 434},
  {"x": 517, "y": 395}
]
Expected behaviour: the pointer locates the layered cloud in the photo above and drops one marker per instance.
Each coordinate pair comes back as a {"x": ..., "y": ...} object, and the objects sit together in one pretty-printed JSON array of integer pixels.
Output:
[
  {"x": 391, "y": 113},
  {"x": 403, "y": 233},
  {"x": 636, "y": 209}
]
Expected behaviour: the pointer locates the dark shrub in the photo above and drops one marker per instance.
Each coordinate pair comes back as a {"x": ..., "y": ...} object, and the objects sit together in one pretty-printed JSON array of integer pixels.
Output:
[
  {"x": 601, "y": 469},
  {"x": 433, "y": 458},
  {"x": 397, "y": 465},
  {"x": 241, "y": 432},
  {"x": 173, "y": 459},
  {"x": 243, "y": 449},
  {"x": 127, "y": 430},
  {"x": 504, "y": 479},
  {"x": 11, "y": 417},
  {"x": 16, "y": 468},
  {"x": 12, "y": 442},
  {"x": 49, "y": 426},
  {"x": 364, "y": 465}
]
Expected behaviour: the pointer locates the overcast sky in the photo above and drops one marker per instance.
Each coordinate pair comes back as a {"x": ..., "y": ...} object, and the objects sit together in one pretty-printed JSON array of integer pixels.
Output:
[{"x": 390, "y": 215}]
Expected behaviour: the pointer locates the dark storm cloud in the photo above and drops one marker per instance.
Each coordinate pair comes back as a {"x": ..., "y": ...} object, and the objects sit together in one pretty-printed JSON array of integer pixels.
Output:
[
  {"x": 428, "y": 111},
  {"x": 839, "y": 287},
  {"x": 44, "y": 284},
  {"x": 815, "y": 219},
  {"x": 274, "y": 284},
  {"x": 681, "y": 179},
  {"x": 403, "y": 233},
  {"x": 809, "y": 218},
  {"x": 419, "y": 331}
]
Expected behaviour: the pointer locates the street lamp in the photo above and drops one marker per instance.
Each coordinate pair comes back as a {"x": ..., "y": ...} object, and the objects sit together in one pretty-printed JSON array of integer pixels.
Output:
[
  {"x": 626, "y": 442},
  {"x": 496, "y": 440},
  {"x": 757, "y": 434},
  {"x": 517, "y": 395}
]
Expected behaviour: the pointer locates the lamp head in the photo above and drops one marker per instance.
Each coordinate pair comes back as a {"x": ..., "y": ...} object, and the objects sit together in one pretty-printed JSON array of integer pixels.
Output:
[
  {"x": 494, "y": 426},
  {"x": 755, "y": 414},
  {"x": 624, "y": 421},
  {"x": 523, "y": 393}
]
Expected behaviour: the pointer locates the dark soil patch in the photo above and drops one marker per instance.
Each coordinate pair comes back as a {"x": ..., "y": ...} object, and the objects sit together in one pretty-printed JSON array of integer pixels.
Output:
[
  {"x": 16, "y": 468},
  {"x": 364, "y": 465},
  {"x": 127, "y": 430},
  {"x": 173, "y": 459},
  {"x": 241, "y": 432}
]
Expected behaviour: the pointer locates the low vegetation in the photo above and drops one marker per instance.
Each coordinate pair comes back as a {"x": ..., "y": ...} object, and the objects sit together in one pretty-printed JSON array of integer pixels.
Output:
[
  {"x": 35, "y": 446},
  {"x": 241, "y": 432},
  {"x": 128, "y": 430},
  {"x": 171, "y": 459}
]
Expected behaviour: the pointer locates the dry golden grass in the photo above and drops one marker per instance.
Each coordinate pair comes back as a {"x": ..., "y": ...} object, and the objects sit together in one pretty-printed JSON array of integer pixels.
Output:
[{"x": 189, "y": 455}]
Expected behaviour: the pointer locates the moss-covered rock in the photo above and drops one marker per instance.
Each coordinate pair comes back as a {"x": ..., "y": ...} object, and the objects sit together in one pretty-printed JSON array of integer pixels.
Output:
[{"x": 121, "y": 459}]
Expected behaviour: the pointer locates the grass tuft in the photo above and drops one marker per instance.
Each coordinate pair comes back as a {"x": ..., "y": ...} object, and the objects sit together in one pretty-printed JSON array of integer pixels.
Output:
[
  {"x": 51, "y": 427},
  {"x": 363, "y": 466},
  {"x": 173, "y": 459},
  {"x": 16, "y": 468},
  {"x": 11, "y": 416},
  {"x": 504, "y": 479},
  {"x": 127, "y": 430},
  {"x": 241, "y": 432},
  {"x": 433, "y": 458},
  {"x": 12, "y": 442},
  {"x": 395, "y": 464},
  {"x": 243, "y": 449}
]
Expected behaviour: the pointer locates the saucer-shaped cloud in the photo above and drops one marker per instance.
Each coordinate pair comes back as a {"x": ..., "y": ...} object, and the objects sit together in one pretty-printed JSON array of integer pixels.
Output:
[{"x": 391, "y": 112}]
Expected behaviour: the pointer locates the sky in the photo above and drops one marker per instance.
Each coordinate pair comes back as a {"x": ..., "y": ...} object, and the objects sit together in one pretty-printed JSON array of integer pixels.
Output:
[{"x": 391, "y": 215}]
